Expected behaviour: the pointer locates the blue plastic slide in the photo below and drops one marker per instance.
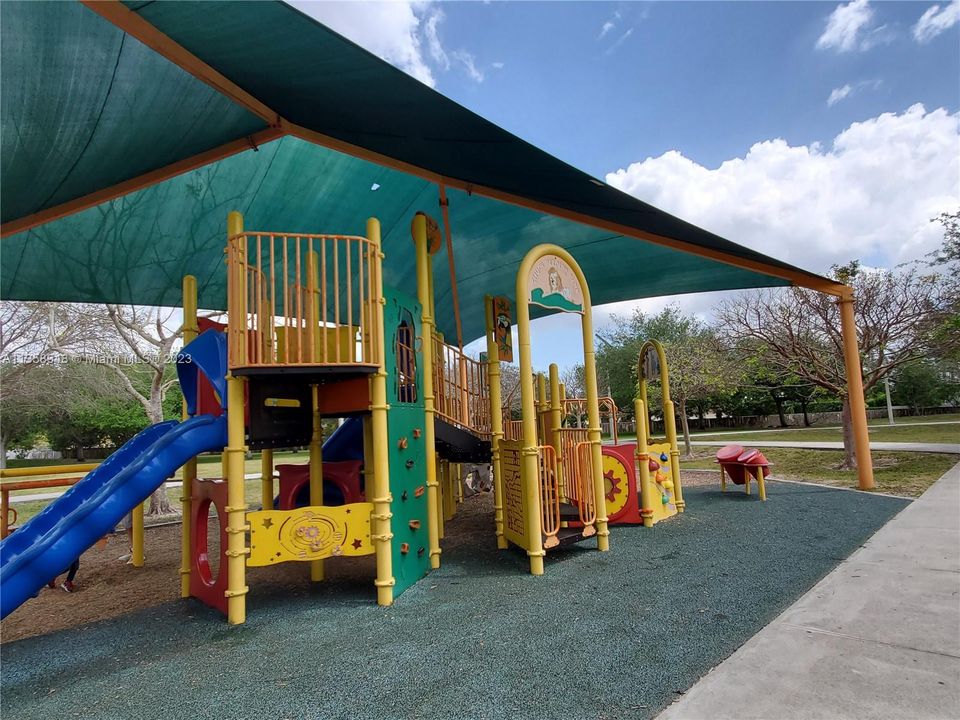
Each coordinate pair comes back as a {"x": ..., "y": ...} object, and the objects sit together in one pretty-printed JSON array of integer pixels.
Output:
[
  {"x": 345, "y": 443},
  {"x": 47, "y": 544}
]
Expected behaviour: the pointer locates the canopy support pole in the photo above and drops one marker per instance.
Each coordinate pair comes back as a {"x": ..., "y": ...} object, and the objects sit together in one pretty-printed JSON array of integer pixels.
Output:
[{"x": 445, "y": 208}]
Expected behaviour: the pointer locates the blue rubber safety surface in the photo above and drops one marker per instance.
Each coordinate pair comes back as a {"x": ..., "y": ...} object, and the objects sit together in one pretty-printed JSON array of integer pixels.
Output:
[{"x": 600, "y": 635}]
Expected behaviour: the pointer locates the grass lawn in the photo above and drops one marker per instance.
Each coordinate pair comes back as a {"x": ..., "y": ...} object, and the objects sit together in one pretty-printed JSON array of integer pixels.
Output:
[
  {"x": 207, "y": 466},
  {"x": 879, "y": 433},
  {"x": 897, "y": 473}
]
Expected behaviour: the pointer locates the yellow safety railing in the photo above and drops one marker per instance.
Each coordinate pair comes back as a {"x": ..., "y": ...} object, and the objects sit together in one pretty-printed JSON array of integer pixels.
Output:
[
  {"x": 8, "y": 515},
  {"x": 460, "y": 389},
  {"x": 577, "y": 473},
  {"x": 549, "y": 495},
  {"x": 577, "y": 407},
  {"x": 512, "y": 429},
  {"x": 300, "y": 299}
]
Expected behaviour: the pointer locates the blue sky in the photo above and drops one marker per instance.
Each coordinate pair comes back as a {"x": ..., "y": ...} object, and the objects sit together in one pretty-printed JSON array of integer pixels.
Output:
[
  {"x": 709, "y": 79},
  {"x": 815, "y": 132}
]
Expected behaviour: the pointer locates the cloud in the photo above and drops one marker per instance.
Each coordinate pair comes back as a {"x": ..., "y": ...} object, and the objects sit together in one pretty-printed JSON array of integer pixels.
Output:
[
  {"x": 469, "y": 63},
  {"x": 610, "y": 50},
  {"x": 607, "y": 27},
  {"x": 936, "y": 20},
  {"x": 432, "y": 35},
  {"x": 390, "y": 30},
  {"x": 838, "y": 94},
  {"x": 869, "y": 196},
  {"x": 844, "y": 26},
  {"x": 497, "y": 66},
  {"x": 841, "y": 93}
]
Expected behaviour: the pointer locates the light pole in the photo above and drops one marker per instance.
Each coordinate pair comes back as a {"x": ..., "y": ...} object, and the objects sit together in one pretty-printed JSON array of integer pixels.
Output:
[{"x": 886, "y": 387}]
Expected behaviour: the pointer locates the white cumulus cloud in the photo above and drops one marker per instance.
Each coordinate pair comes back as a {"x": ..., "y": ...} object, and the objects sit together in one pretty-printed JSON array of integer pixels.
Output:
[
  {"x": 936, "y": 20},
  {"x": 404, "y": 33},
  {"x": 469, "y": 64},
  {"x": 838, "y": 94},
  {"x": 869, "y": 196},
  {"x": 390, "y": 30},
  {"x": 844, "y": 26}
]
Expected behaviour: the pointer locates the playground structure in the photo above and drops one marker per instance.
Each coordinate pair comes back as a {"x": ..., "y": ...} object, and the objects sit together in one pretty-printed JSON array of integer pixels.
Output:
[
  {"x": 313, "y": 333},
  {"x": 313, "y": 330},
  {"x": 639, "y": 486}
]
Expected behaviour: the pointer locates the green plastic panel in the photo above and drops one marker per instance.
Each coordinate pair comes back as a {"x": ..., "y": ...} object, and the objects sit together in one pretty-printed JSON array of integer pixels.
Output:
[{"x": 408, "y": 481}]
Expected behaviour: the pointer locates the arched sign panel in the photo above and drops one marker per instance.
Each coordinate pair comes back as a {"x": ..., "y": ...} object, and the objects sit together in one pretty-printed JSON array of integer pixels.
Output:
[{"x": 554, "y": 285}]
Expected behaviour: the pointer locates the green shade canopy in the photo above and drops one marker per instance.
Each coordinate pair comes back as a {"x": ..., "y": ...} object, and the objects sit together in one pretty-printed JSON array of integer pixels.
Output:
[{"x": 86, "y": 106}]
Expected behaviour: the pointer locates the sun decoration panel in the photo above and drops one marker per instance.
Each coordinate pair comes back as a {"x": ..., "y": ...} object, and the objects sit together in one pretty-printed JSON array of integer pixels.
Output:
[{"x": 309, "y": 533}]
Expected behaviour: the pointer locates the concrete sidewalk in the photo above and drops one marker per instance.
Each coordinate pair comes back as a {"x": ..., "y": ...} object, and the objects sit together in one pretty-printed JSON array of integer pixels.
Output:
[
  {"x": 950, "y": 448},
  {"x": 879, "y": 637}
]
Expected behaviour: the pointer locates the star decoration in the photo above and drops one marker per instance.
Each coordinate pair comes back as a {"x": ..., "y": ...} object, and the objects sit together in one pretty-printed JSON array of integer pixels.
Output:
[
  {"x": 357, "y": 543},
  {"x": 267, "y": 523}
]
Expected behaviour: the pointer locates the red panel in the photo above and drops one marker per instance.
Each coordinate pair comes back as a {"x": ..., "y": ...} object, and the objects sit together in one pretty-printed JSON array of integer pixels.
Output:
[
  {"x": 345, "y": 397},
  {"x": 630, "y": 514},
  {"x": 345, "y": 475},
  {"x": 206, "y": 399},
  {"x": 204, "y": 587}
]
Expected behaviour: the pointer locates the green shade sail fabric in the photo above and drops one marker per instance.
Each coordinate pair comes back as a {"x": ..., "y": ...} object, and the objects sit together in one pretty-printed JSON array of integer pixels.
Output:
[{"x": 85, "y": 106}]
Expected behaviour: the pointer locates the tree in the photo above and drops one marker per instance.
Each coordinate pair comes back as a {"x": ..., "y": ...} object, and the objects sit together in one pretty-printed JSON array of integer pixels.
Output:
[
  {"x": 135, "y": 344},
  {"x": 925, "y": 384},
  {"x": 898, "y": 315},
  {"x": 950, "y": 250},
  {"x": 700, "y": 366},
  {"x": 28, "y": 330}
]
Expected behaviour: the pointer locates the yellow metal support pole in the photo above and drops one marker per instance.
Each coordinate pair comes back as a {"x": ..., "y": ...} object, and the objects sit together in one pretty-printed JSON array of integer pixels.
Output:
[
  {"x": 593, "y": 407},
  {"x": 669, "y": 414},
  {"x": 543, "y": 407},
  {"x": 441, "y": 499},
  {"x": 382, "y": 534},
  {"x": 496, "y": 420},
  {"x": 858, "y": 410},
  {"x": 529, "y": 454},
  {"x": 449, "y": 497},
  {"x": 425, "y": 297},
  {"x": 643, "y": 464},
  {"x": 236, "y": 501},
  {"x": 316, "y": 471},
  {"x": 137, "y": 550},
  {"x": 190, "y": 331},
  {"x": 555, "y": 419},
  {"x": 670, "y": 425},
  {"x": 266, "y": 479}
]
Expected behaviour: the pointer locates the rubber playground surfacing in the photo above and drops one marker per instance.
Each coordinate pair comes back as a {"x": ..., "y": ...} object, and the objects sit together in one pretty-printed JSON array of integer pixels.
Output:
[{"x": 612, "y": 635}]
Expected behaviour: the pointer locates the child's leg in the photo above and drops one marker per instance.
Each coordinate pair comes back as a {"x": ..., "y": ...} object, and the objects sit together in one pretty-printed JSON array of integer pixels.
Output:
[{"x": 72, "y": 573}]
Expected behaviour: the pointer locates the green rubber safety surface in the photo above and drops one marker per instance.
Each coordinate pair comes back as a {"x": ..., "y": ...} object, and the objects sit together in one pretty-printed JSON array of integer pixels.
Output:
[{"x": 612, "y": 635}]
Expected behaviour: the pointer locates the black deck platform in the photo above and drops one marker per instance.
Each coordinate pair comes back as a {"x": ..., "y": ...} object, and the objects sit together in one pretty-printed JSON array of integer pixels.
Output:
[{"x": 458, "y": 445}]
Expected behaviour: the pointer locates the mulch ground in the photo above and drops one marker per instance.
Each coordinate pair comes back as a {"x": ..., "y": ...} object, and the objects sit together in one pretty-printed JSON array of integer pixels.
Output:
[{"x": 107, "y": 587}]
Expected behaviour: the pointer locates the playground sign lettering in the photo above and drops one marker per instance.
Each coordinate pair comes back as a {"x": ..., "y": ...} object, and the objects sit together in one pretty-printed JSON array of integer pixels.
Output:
[
  {"x": 502, "y": 320},
  {"x": 554, "y": 285}
]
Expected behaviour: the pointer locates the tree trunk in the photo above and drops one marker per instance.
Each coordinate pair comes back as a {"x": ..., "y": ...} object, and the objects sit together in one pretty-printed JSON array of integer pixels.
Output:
[
  {"x": 685, "y": 424},
  {"x": 849, "y": 453},
  {"x": 783, "y": 419},
  {"x": 803, "y": 408},
  {"x": 3, "y": 451}
]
